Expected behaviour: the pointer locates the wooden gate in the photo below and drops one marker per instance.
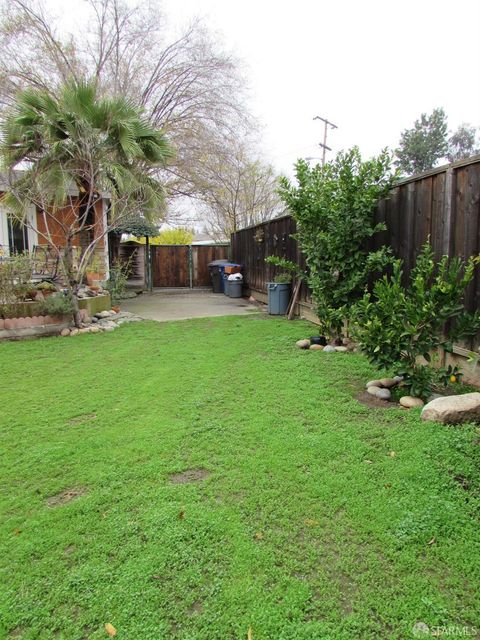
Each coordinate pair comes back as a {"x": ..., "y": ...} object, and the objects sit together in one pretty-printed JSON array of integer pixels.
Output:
[{"x": 184, "y": 265}]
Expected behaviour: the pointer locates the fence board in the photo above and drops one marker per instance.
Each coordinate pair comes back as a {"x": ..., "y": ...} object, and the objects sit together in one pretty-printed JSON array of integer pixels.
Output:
[
  {"x": 170, "y": 266},
  {"x": 443, "y": 204},
  {"x": 201, "y": 256}
]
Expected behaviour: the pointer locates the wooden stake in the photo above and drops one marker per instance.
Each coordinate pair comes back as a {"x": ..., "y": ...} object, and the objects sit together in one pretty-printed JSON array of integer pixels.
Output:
[{"x": 296, "y": 291}]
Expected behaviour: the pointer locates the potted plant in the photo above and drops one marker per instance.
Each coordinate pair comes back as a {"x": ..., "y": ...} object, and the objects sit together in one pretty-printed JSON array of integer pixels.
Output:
[
  {"x": 47, "y": 288},
  {"x": 93, "y": 271}
]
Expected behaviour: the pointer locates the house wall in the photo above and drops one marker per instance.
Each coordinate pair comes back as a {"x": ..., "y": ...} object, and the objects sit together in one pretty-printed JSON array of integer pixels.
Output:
[
  {"x": 55, "y": 228},
  {"x": 42, "y": 228}
]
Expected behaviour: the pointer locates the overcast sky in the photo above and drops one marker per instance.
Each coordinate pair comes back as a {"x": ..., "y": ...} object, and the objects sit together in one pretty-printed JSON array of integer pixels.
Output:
[{"x": 370, "y": 67}]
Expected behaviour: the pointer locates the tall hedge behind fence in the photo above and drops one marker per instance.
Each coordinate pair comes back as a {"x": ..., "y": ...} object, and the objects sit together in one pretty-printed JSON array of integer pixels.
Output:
[{"x": 443, "y": 204}]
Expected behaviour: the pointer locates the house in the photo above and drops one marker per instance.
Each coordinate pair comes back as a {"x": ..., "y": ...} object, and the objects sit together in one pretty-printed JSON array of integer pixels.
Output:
[{"x": 42, "y": 231}]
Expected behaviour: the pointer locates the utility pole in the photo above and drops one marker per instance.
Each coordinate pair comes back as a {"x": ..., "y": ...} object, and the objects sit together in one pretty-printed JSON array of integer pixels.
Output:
[{"x": 327, "y": 124}]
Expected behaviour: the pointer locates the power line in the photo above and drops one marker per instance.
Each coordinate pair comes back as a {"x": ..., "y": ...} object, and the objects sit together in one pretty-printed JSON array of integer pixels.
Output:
[{"x": 327, "y": 124}]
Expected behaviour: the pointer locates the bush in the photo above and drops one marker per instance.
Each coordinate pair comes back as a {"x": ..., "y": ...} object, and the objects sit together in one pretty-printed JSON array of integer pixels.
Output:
[
  {"x": 15, "y": 275},
  {"x": 116, "y": 285},
  {"x": 283, "y": 278},
  {"x": 46, "y": 286},
  {"x": 395, "y": 325},
  {"x": 333, "y": 206},
  {"x": 289, "y": 271},
  {"x": 57, "y": 305}
]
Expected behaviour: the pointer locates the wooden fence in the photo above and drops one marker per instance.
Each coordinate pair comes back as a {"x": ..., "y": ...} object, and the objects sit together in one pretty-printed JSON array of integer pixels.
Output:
[{"x": 443, "y": 203}]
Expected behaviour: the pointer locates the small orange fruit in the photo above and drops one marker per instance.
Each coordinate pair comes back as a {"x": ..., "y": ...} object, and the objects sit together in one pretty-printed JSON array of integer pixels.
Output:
[{"x": 453, "y": 378}]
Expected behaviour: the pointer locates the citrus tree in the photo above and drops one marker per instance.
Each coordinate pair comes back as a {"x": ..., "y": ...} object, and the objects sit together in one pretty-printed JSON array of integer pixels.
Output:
[
  {"x": 333, "y": 206},
  {"x": 398, "y": 324}
]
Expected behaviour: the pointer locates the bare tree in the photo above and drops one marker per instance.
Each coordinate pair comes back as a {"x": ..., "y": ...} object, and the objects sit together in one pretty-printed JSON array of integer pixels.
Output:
[
  {"x": 236, "y": 191},
  {"x": 187, "y": 85}
]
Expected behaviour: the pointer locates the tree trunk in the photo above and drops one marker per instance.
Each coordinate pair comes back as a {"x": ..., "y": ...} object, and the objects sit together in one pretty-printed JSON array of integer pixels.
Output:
[{"x": 72, "y": 281}]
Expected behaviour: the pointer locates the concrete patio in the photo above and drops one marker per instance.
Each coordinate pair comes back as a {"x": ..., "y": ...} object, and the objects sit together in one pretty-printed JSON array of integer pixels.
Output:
[{"x": 182, "y": 304}]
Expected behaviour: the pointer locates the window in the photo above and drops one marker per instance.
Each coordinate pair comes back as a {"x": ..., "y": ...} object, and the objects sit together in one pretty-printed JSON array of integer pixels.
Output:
[{"x": 17, "y": 236}]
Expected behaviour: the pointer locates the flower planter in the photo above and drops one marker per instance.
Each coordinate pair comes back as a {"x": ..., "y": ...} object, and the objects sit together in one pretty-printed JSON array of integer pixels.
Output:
[{"x": 93, "y": 278}]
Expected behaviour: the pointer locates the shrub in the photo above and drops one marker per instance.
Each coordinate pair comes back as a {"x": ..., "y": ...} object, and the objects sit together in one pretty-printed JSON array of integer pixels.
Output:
[
  {"x": 334, "y": 208},
  {"x": 283, "y": 278},
  {"x": 397, "y": 324},
  {"x": 15, "y": 275},
  {"x": 57, "y": 304},
  {"x": 46, "y": 286},
  {"x": 290, "y": 269},
  {"x": 119, "y": 274}
]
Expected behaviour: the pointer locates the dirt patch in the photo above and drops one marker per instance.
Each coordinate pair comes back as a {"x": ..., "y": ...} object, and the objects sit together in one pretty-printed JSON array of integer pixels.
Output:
[
  {"x": 65, "y": 496},
  {"x": 462, "y": 481},
  {"x": 375, "y": 403},
  {"x": 190, "y": 475},
  {"x": 195, "y": 609},
  {"x": 86, "y": 417}
]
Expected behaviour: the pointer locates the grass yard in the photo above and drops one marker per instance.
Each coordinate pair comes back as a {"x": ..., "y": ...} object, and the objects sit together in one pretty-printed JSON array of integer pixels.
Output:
[{"x": 303, "y": 515}]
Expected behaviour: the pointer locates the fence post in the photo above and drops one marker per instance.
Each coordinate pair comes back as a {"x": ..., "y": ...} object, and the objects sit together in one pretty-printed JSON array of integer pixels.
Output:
[
  {"x": 448, "y": 212},
  {"x": 148, "y": 264},
  {"x": 190, "y": 265}
]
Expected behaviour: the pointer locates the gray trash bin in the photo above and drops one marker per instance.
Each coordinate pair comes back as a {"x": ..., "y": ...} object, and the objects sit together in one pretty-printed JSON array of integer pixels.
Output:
[
  {"x": 226, "y": 284},
  {"x": 235, "y": 288},
  {"x": 278, "y": 298}
]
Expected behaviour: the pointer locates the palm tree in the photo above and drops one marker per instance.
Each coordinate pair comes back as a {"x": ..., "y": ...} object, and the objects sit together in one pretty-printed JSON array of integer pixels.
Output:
[{"x": 80, "y": 143}]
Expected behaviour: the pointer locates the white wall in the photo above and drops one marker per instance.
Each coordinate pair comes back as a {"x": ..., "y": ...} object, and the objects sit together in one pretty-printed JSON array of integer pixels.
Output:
[{"x": 3, "y": 230}]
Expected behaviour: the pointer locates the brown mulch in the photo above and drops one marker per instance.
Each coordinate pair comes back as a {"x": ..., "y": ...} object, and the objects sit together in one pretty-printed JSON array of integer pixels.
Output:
[{"x": 375, "y": 403}]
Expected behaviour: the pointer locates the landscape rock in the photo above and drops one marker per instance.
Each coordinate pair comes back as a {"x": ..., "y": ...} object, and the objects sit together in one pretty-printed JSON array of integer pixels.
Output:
[
  {"x": 94, "y": 320},
  {"x": 316, "y": 347},
  {"x": 341, "y": 349},
  {"x": 388, "y": 382},
  {"x": 329, "y": 349},
  {"x": 453, "y": 409},
  {"x": 65, "y": 332},
  {"x": 303, "y": 344},
  {"x": 409, "y": 402},
  {"x": 74, "y": 331},
  {"x": 95, "y": 329},
  {"x": 383, "y": 394},
  {"x": 373, "y": 390},
  {"x": 373, "y": 383},
  {"x": 398, "y": 379},
  {"x": 84, "y": 330}
]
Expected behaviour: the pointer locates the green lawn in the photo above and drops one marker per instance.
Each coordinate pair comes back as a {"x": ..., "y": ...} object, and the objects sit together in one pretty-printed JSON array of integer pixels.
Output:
[{"x": 307, "y": 525}]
